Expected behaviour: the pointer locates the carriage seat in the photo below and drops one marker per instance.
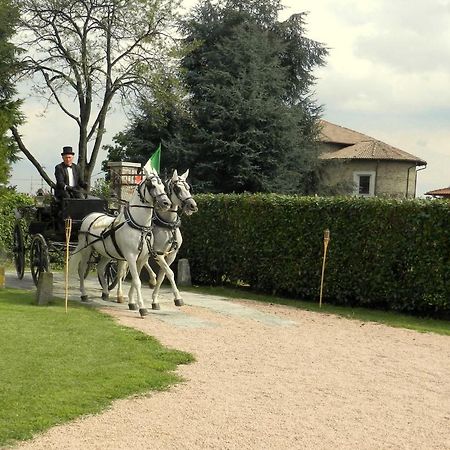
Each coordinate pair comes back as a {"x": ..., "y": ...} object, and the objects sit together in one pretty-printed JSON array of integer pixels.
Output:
[{"x": 78, "y": 208}]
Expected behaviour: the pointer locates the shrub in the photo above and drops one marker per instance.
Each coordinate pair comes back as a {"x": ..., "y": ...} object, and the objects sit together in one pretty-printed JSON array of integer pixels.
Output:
[
  {"x": 9, "y": 201},
  {"x": 383, "y": 253}
]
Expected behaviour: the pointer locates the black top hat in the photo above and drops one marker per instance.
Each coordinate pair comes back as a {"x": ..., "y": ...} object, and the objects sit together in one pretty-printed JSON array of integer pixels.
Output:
[{"x": 67, "y": 151}]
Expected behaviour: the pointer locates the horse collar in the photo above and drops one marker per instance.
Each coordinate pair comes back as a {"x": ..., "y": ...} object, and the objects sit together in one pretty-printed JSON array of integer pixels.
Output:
[{"x": 162, "y": 223}]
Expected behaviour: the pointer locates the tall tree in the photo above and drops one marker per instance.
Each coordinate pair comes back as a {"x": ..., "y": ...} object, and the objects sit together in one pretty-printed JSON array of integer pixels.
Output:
[
  {"x": 9, "y": 108},
  {"x": 155, "y": 122},
  {"x": 95, "y": 51},
  {"x": 249, "y": 79}
]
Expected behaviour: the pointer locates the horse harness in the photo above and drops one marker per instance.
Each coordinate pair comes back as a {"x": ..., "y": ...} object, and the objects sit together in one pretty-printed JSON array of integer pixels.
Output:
[
  {"x": 111, "y": 229},
  {"x": 172, "y": 226},
  {"x": 146, "y": 232}
]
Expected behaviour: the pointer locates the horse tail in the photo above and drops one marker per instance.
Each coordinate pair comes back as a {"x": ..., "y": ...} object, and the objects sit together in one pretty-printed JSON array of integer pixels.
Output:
[
  {"x": 75, "y": 258},
  {"x": 74, "y": 263}
]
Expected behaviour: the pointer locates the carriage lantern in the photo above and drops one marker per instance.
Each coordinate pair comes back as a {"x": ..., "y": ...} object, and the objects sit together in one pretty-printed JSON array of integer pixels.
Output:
[{"x": 39, "y": 199}]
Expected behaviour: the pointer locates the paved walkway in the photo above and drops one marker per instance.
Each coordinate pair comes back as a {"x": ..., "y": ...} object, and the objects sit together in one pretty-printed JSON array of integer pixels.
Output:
[{"x": 168, "y": 313}]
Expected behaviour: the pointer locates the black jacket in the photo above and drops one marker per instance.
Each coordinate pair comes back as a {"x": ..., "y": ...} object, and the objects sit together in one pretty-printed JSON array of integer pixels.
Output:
[{"x": 62, "y": 179}]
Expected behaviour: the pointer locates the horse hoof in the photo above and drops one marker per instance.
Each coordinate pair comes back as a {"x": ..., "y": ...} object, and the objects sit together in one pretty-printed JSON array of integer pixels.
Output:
[
  {"x": 105, "y": 296},
  {"x": 143, "y": 311},
  {"x": 132, "y": 306},
  {"x": 156, "y": 306},
  {"x": 151, "y": 284},
  {"x": 120, "y": 299},
  {"x": 84, "y": 298},
  {"x": 178, "y": 302}
]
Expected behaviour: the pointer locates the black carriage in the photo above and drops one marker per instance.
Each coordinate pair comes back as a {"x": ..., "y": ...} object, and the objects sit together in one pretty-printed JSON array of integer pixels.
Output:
[{"x": 40, "y": 233}]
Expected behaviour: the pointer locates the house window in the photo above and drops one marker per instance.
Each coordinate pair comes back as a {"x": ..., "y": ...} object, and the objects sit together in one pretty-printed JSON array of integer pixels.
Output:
[{"x": 364, "y": 183}]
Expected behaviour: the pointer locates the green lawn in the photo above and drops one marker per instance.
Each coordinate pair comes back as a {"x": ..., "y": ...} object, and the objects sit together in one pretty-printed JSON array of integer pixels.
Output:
[
  {"x": 55, "y": 366},
  {"x": 366, "y": 315}
]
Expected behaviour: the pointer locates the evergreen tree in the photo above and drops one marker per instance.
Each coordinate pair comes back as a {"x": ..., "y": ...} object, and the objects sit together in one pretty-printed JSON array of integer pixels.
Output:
[
  {"x": 155, "y": 122},
  {"x": 253, "y": 122},
  {"x": 9, "y": 108}
]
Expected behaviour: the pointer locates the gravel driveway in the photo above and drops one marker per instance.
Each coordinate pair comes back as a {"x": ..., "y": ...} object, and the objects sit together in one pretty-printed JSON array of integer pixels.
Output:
[{"x": 273, "y": 377}]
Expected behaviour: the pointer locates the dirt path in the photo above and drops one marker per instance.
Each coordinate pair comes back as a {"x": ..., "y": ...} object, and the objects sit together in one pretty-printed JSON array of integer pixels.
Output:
[{"x": 272, "y": 377}]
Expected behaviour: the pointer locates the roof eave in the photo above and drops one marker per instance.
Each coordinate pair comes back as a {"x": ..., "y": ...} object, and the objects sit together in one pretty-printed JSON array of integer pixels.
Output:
[{"x": 417, "y": 162}]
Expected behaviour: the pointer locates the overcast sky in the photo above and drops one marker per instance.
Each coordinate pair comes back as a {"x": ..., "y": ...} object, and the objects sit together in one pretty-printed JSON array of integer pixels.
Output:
[{"x": 387, "y": 76}]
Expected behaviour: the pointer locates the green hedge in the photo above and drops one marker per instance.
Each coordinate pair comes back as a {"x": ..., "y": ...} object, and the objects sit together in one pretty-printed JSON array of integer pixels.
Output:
[
  {"x": 383, "y": 253},
  {"x": 9, "y": 201}
]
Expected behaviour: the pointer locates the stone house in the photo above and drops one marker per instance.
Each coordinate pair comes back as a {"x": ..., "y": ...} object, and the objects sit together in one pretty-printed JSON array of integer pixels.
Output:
[{"x": 366, "y": 166}]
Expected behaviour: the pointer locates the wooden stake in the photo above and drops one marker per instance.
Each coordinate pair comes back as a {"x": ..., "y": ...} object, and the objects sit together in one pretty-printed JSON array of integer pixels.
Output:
[
  {"x": 68, "y": 223},
  {"x": 326, "y": 240}
]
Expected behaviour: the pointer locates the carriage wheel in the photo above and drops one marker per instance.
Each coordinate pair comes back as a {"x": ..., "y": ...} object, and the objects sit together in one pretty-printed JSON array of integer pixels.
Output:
[
  {"x": 111, "y": 274},
  {"x": 19, "y": 251},
  {"x": 39, "y": 260}
]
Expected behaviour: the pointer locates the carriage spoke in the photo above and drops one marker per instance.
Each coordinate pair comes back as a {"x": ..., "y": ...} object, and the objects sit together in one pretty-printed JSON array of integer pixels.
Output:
[
  {"x": 39, "y": 260},
  {"x": 19, "y": 251}
]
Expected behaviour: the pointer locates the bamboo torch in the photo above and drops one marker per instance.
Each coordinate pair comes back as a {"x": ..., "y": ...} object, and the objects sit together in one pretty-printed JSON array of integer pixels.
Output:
[
  {"x": 326, "y": 240},
  {"x": 68, "y": 223}
]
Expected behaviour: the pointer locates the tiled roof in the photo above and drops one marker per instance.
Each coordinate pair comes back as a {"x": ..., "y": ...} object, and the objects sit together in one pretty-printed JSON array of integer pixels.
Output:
[
  {"x": 444, "y": 192},
  {"x": 373, "y": 150},
  {"x": 335, "y": 133},
  {"x": 361, "y": 146}
]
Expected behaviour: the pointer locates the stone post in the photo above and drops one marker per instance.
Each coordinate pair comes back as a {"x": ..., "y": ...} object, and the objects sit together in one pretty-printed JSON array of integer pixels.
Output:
[
  {"x": 44, "y": 291},
  {"x": 2, "y": 277},
  {"x": 184, "y": 273}
]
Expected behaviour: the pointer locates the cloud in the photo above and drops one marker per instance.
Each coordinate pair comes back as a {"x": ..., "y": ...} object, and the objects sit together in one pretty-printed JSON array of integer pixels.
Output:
[
  {"x": 45, "y": 134},
  {"x": 384, "y": 91},
  {"x": 387, "y": 75},
  {"x": 407, "y": 36}
]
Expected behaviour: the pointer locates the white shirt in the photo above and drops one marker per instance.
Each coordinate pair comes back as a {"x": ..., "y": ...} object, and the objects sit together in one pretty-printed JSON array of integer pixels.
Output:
[{"x": 71, "y": 180}]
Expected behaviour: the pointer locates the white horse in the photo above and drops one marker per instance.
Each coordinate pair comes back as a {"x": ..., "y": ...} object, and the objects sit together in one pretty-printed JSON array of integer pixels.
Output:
[
  {"x": 167, "y": 239},
  {"x": 127, "y": 237}
]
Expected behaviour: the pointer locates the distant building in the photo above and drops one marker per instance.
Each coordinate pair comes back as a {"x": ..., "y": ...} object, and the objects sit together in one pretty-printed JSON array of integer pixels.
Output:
[
  {"x": 367, "y": 166},
  {"x": 440, "y": 193}
]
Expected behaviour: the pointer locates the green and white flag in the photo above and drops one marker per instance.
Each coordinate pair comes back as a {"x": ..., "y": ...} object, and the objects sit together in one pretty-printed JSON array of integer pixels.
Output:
[{"x": 154, "y": 162}]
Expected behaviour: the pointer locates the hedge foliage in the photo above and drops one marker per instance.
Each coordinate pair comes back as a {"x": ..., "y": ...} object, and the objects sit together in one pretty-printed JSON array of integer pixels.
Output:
[
  {"x": 386, "y": 254},
  {"x": 9, "y": 201}
]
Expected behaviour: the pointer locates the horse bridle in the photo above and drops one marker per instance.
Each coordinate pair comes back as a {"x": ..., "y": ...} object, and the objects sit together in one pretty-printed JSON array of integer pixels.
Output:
[
  {"x": 173, "y": 186},
  {"x": 144, "y": 185}
]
